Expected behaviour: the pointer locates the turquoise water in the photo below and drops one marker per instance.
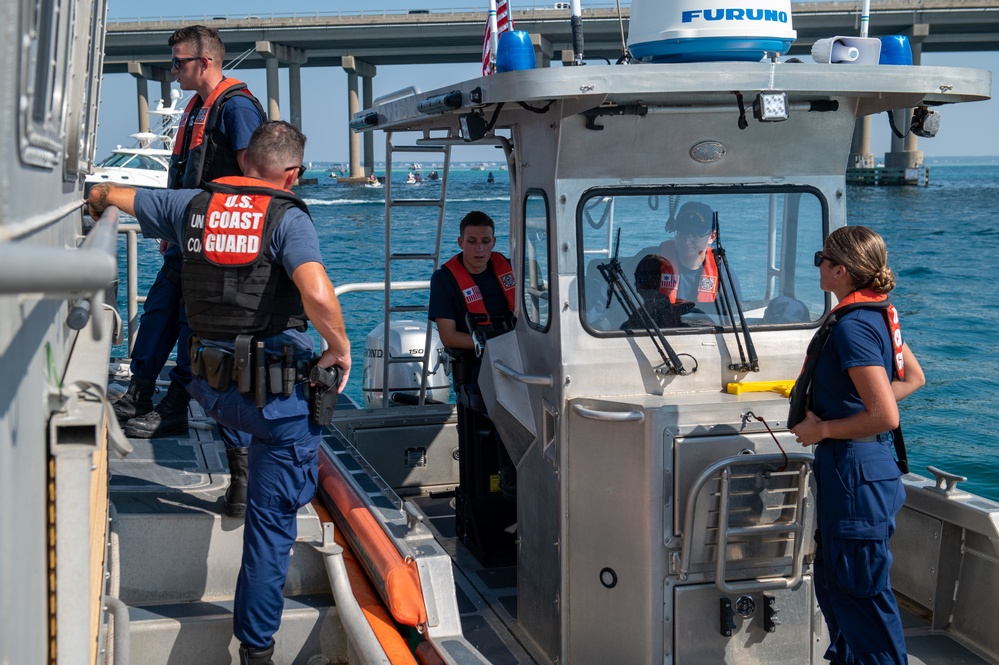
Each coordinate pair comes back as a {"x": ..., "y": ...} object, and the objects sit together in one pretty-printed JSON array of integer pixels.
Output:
[{"x": 943, "y": 244}]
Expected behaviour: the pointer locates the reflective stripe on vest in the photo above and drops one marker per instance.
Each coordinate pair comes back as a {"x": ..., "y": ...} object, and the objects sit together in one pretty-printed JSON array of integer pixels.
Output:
[{"x": 470, "y": 290}]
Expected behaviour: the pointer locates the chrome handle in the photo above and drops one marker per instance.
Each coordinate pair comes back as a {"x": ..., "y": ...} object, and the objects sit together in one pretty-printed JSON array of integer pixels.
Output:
[
  {"x": 529, "y": 379},
  {"x": 610, "y": 416}
]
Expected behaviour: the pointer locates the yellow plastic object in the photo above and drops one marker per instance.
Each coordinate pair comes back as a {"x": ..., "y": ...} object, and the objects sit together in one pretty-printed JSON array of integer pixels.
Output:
[{"x": 782, "y": 387}]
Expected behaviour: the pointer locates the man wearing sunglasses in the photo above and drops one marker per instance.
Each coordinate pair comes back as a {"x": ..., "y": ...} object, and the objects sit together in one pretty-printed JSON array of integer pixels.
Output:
[
  {"x": 219, "y": 120},
  {"x": 252, "y": 267},
  {"x": 211, "y": 141}
]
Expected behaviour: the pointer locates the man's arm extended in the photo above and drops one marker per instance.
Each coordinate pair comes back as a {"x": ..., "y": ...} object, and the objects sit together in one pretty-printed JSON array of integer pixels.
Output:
[
  {"x": 323, "y": 309},
  {"x": 105, "y": 194}
]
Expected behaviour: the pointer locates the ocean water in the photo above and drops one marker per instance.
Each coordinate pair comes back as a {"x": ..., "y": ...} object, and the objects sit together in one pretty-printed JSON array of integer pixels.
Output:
[{"x": 943, "y": 244}]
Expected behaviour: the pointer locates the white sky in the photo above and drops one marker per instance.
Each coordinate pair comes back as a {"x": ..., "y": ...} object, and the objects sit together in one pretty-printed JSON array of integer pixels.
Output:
[{"x": 966, "y": 129}]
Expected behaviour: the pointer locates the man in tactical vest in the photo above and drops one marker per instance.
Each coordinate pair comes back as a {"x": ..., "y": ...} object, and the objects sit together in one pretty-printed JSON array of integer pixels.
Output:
[
  {"x": 252, "y": 279},
  {"x": 211, "y": 141}
]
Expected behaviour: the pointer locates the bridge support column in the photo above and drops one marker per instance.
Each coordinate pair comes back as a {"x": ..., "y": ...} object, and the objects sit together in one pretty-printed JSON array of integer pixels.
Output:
[
  {"x": 274, "y": 54},
  {"x": 295, "y": 94},
  {"x": 861, "y": 156},
  {"x": 905, "y": 152},
  {"x": 273, "y": 90},
  {"x": 142, "y": 102},
  {"x": 355, "y": 68},
  {"x": 165, "y": 92},
  {"x": 542, "y": 50},
  {"x": 143, "y": 75}
]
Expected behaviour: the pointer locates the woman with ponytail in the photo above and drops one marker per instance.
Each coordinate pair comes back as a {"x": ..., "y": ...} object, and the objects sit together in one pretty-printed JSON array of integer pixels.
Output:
[{"x": 845, "y": 404}]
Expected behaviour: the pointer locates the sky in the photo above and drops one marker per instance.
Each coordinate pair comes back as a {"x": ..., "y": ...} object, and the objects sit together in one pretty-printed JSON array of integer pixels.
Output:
[{"x": 966, "y": 129}]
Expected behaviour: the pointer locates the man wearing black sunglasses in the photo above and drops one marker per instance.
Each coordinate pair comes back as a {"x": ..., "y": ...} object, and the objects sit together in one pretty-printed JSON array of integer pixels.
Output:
[
  {"x": 219, "y": 120},
  {"x": 214, "y": 133}
]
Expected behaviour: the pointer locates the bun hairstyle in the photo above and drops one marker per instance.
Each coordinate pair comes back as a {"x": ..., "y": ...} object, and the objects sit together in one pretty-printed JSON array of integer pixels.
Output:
[{"x": 864, "y": 255}]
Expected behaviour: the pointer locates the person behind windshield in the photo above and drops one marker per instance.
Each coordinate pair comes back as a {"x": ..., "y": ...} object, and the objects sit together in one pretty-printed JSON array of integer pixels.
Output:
[{"x": 689, "y": 270}]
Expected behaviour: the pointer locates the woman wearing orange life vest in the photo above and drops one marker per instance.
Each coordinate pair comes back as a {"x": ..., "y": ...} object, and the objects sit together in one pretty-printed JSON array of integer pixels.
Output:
[{"x": 851, "y": 411}]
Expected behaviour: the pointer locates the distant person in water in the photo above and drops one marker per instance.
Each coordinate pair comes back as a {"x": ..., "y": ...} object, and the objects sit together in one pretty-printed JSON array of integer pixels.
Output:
[{"x": 845, "y": 404}]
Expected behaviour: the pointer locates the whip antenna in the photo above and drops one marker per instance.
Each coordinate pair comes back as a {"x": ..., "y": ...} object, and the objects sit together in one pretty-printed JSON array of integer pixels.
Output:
[{"x": 577, "y": 33}]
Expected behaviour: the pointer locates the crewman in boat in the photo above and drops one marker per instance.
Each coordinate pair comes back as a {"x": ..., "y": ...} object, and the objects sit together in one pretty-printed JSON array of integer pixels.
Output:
[
  {"x": 690, "y": 270},
  {"x": 477, "y": 284},
  {"x": 252, "y": 267},
  {"x": 211, "y": 143}
]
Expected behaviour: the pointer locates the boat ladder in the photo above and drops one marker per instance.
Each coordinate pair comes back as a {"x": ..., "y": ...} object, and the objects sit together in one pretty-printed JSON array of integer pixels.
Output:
[
  {"x": 399, "y": 228},
  {"x": 760, "y": 513}
]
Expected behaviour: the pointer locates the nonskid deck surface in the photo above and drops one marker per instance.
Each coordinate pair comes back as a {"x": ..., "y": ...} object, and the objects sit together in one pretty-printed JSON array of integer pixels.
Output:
[{"x": 487, "y": 595}]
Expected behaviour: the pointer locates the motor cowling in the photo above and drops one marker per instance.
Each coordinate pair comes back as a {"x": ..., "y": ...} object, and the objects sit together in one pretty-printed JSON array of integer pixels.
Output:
[{"x": 406, "y": 340}]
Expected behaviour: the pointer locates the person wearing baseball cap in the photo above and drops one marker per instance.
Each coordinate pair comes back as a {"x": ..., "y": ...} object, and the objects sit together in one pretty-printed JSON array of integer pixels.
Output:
[{"x": 690, "y": 273}]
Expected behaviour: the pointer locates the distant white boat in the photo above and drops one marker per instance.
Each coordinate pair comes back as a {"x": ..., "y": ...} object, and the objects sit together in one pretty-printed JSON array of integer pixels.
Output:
[{"x": 146, "y": 163}]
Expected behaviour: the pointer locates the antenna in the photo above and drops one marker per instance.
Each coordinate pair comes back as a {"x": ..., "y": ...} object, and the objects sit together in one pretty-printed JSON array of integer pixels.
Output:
[{"x": 577, "y": 33}]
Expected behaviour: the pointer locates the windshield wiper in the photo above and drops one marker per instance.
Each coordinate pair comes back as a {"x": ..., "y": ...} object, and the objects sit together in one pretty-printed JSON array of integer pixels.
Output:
[
  {"x": 754, "y": 361},
  {"x": 617, "y": 283}
]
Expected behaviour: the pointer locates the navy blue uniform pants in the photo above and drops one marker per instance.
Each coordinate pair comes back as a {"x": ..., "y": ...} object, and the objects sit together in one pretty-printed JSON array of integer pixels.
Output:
[
  {"x": 859, "y": 494},
  {"x": 283, "y": 473},
  {"x": 163, "y": 325}
]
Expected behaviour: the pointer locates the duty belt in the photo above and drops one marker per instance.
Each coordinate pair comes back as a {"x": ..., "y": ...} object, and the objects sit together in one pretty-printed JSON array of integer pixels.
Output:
[{"x": 252, "y": 369}]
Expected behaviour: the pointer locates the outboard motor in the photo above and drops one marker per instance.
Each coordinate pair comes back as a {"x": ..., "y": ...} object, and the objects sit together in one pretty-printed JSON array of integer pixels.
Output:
[{"x": 406, "y": 342}]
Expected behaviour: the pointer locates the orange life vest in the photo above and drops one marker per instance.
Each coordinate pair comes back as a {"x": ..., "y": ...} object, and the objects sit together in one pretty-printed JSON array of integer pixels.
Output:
[
  {"x": 195, "y": 160},
  {"x": 862, "y": 298},
  {"x": 669, "y": 282},
  {"x": 470, "y": 290}
]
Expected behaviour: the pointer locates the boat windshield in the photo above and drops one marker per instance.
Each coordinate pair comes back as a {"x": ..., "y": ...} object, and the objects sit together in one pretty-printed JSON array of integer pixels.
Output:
[
  {"x": 699, "y": 259},
  {"x": 133, "y": 161}
]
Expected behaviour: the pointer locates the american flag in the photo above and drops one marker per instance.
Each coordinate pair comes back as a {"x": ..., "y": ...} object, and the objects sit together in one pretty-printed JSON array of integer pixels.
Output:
[{"x": 500, "y": 15}]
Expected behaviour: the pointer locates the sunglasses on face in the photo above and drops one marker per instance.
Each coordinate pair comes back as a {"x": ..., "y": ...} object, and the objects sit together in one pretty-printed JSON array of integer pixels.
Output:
[
  {"x": 301, "y": 169},
  {"x": 820, "y": 257},
  {"x": 175, "y": 63}
]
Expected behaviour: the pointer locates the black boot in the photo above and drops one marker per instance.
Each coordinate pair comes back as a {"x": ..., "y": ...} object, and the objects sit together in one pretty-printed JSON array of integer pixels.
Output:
[
  {"x": 235, "y": 495},
  {"x": 256, "y": 655},
  {"x": 169, "y": 418},
  {"x": 137, "y": 400}
]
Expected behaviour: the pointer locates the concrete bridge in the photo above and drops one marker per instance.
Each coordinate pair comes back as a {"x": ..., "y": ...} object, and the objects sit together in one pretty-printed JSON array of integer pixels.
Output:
[{"x": 360, "y": 41}]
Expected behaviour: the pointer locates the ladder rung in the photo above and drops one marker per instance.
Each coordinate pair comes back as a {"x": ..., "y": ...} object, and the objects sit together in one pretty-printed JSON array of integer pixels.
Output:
[
  {"x": 410, "y": 203},
  {"x": 408, "y": 308},
  {"x": 761, "y": 529},
  {"x": 412, "y": 257}
]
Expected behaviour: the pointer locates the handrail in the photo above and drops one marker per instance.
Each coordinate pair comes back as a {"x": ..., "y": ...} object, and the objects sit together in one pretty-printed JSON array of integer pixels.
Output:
[
  {"x": 530, "y": 379},
  {"x": 362, "y": 638},
  {"x": 609, "y": 416},
  {"x": 361, "y": 287},
  {"x": 724, "y": 465},
  {"x": 58, "y": 272},
  {"x": 408, "y": 91}
]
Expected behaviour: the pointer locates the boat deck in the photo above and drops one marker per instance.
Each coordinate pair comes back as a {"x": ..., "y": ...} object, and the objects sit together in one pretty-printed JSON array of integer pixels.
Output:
[{"x": 181, "y": 572}]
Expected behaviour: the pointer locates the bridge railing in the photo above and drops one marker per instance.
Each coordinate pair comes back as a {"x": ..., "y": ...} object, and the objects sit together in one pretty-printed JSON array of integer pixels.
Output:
[{"x": 520, "y": 8}]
